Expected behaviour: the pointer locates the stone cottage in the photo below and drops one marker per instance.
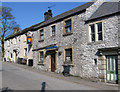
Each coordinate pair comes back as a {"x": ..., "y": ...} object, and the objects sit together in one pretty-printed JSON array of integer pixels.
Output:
[
  {"x": 18, "y": 46},
  {"x": 85, "y": 38}
]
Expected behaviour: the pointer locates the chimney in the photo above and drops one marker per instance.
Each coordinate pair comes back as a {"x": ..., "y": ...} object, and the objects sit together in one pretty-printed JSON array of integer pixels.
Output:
[
  {"x": 48, "y": 15},
  {"x": 16, "y": 29}
]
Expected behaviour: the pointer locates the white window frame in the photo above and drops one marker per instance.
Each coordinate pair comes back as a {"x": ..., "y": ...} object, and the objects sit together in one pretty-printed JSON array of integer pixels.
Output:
[
  {"x": 52, "y": 30},
  {"x": 25, "y": 52},
  {"x": 42, "y": 29},
  {"x": 96, "y": 31}
]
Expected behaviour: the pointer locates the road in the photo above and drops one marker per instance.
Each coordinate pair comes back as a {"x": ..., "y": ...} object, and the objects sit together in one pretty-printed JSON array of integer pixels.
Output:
[{"x": 17, "y": 78}]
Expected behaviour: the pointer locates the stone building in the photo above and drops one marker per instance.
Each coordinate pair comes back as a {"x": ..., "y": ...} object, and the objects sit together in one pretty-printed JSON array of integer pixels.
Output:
[
  {"x": 18, "y": 46},
  {"x": 86, "y": 38}
]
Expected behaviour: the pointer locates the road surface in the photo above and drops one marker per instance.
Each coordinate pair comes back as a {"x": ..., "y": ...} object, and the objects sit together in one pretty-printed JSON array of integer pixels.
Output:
[{"x": 17, "y": 78}]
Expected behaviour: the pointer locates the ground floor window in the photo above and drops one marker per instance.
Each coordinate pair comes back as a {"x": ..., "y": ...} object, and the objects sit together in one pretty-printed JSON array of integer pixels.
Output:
[
  {"x": 25, "y": 52},
  {"x": 68, "y": 56},
  {"x": 41, "y": 57}
]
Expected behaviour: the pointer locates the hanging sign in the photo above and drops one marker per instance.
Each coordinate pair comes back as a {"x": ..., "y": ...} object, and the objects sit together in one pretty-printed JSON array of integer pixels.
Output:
[{"x": 29, "y": 40}]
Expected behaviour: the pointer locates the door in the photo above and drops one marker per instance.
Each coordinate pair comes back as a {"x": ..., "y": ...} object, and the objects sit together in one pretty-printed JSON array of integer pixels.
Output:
[
  {"x": 112, "y": 69},
  {"x": 15, "y": 56},
  {"x": 53, "y": 63}
]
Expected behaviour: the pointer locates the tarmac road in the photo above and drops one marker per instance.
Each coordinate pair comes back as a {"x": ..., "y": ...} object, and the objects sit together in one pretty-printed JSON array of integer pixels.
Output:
[{"x": 16, "y": 78}]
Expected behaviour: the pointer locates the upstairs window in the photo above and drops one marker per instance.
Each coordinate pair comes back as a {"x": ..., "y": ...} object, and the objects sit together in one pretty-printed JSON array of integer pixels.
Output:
[
  {"x": 41, "y": 33},
  {"x": 15, "y": 41},
  {"x": 53, "y": 30},
  {"x": 99, "y": 31},
  {"x": 25, "y": 38},
  {"x": 8, "y": 43},
  {"x": 95, "y": 32},
  {"x": 92, "y": 33},
  {"x": 68, "y": 26}
]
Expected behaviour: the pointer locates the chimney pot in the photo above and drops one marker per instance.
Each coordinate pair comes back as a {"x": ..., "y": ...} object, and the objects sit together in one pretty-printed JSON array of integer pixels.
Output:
[{"x": 48, "y": 15}]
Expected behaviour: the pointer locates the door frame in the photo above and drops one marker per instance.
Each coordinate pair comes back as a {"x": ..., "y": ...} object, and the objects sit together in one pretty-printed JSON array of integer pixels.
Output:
[
  {"x": 116, "y": 71},
  {"x": 51, "y": 61},
  {"x": 14, "y": 56}
]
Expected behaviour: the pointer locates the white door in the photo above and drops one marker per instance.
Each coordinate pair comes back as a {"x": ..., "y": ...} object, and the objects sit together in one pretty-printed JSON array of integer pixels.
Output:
[
  {"x": 14, "y": 57},
  {"x": 112, "y": 70}
]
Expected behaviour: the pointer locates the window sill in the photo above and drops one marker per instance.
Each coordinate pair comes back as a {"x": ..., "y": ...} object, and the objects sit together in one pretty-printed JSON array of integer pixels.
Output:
[
  {"x": 66, "y": 34},
  {"x": 41, "y": 63},
  {"x": 25, "y": 56},
  {"x": 53, "y": 36},
  {"x": 70, "y": 63},
  {"x": 40, "y": 40},
  {"x": 96, "y": 42}
]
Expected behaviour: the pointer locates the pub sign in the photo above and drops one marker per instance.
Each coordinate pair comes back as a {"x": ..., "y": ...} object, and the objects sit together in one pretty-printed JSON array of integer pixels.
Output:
[{"x": 29, "y": 40}]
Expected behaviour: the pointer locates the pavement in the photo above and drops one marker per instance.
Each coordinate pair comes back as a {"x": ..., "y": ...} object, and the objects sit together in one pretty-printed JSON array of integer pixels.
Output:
[{"x": 74, "y": 83}]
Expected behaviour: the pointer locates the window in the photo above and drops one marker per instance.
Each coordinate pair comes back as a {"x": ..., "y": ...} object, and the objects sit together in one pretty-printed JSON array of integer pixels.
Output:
[
  {"x": 15, "y": 40},
  {"x": 25, "y": 38},
  {"x": 11, "y": 41},
  {"x": 8, "y": 42},
  {"x": 25, "y": 51},
  {"x": 11, "y": 55},
  {"x": 41, "y": 33},
  {"x": 41, "y": 57},
  {"x": 68, "y": 26},
  {"x": 95, "y": 32},
  {"x": 53, "y": 30},
  {"x": 99, "y": 31},
  {"x": 68, "y": 56},
  {"x": 92, "y": 32}
]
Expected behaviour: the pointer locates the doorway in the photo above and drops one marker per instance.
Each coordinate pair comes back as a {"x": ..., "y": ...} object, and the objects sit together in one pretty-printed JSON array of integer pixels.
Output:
[
  {"x": 112, "y": 69},
  {"x": 14, "y": 56},
  {"x": 53, "y": 62}
]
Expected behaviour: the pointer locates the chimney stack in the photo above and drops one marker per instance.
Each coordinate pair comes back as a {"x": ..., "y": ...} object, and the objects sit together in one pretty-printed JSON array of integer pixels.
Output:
[
  {"x": 48, "y": 15},
  {"x": 16, "y": 29}
]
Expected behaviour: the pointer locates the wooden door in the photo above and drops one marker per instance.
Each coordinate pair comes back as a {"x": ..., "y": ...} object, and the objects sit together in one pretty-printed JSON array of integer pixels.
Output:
[
  {"x": 53, "y": 63},
  {"x": 112, "y": 69}
]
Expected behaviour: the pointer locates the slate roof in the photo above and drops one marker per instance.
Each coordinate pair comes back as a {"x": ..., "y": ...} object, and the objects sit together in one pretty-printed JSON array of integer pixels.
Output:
[
  {"x": 66, "y": 14},
  {"x": 54, "y": 19},
  {"x": 22, "y": 32},
  {"x": 107, "y": 8}
]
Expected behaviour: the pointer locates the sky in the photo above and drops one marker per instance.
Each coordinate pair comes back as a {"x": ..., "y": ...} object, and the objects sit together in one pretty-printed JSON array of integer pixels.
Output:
[{"x": 29, "y": 13}]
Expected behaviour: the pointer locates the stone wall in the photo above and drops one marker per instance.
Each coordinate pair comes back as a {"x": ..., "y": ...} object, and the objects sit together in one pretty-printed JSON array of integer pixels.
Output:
[
  {"x": 19, "y": 47},
  {"x": 84, "y": 52}
]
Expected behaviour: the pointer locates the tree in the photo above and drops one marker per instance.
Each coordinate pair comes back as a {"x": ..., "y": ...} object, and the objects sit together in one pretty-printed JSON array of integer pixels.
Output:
[{"x": 7, "y": 25}]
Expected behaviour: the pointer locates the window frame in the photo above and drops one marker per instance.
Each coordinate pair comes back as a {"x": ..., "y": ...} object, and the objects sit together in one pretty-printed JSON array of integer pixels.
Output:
[
  {"x": 52, "y": 30},
  {"x": 26, "y": 52},
  {"x": 96, "y": 31},
  {"x": 40, "y": 34},
  {"x": 91, "y": 34},
  {"x": 25, "y": 38},
  {"x": 8, "y": 43},
  {"x": 70, "y": 62},
  {"x": 39, "y": 62},
  {"x": 65, "y": 20}
]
